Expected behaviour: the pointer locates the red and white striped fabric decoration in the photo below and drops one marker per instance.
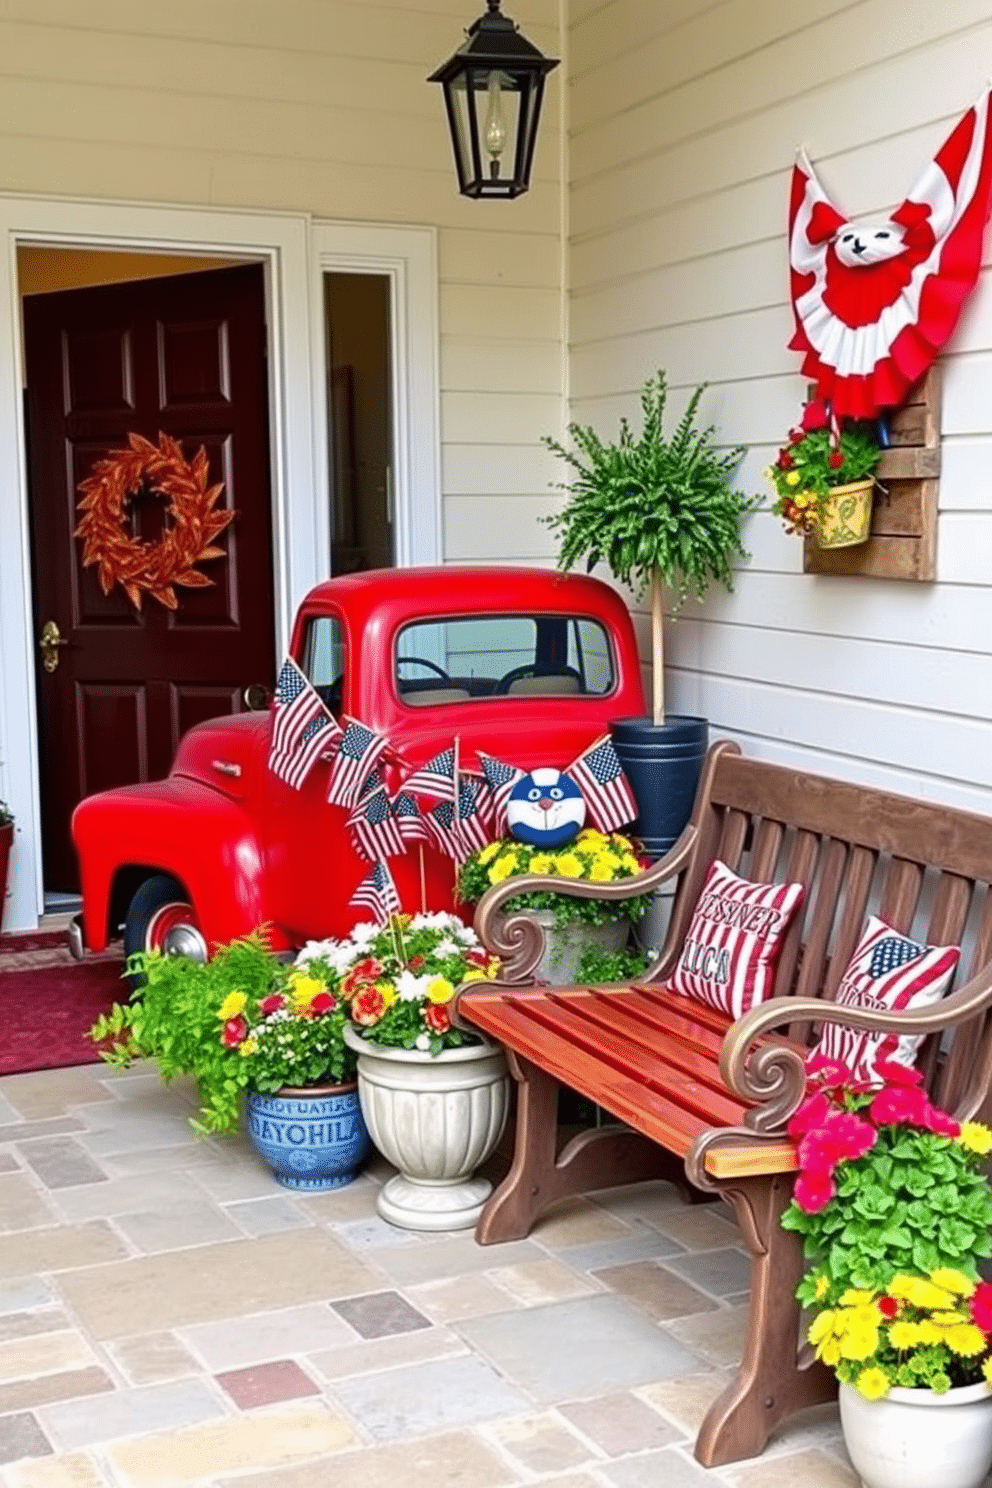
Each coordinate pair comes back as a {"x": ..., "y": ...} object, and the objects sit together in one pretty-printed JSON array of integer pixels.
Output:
[
  {"x": 728, "y": 959},
  {"x": 888, "y": 973}
]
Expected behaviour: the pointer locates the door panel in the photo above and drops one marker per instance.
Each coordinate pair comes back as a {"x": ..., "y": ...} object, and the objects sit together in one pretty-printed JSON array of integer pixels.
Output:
[{"x": 184, "y": 356}]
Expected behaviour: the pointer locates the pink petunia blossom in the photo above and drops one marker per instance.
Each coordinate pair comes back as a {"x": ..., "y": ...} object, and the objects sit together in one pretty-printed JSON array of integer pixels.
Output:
[
  {"x": 899, "y": 1104},
  {"x": 813, "y": 1112},
  {"x": 894, "y": 1073},
  {"x": 981, "y": 1306},
  {"x": 813, "y": 1191},
  {"x": 828, "y": 1073},
  {"x": 234, "y": 1032}
]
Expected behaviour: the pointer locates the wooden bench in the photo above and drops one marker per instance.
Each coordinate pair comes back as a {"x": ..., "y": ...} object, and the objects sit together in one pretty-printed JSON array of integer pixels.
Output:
[{"x": 705, "y": 1102}]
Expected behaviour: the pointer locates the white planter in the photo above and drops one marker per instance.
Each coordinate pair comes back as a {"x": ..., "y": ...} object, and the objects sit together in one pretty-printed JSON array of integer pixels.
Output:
[
  {"x": 563, "y": 947},
  {"x": 916, "y": 1439},
  {"x": 435, "y": 1118}
]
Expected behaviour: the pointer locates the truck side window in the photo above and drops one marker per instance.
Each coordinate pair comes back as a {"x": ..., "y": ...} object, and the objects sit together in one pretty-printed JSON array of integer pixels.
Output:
[{"x": 322, "y": 659}]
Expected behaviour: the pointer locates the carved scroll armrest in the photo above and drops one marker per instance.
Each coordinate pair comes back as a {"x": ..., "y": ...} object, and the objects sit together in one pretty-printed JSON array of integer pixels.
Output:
[
  {"x": 518, "y": 939},
  {"x": 772, "y": 1075}
]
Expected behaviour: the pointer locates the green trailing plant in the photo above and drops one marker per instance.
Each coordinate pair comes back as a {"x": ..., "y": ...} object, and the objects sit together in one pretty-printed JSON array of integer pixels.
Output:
[
  {"x": 243, "y": 1020},
  {"x": 603, "y": 967},
  {"x": 653, "y": 509}
]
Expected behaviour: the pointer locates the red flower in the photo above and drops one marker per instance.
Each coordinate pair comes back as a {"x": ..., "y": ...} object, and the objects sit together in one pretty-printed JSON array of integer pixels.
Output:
[
  {"x": 234, "y": 1032},
  {"x": 322, "y": 1003},
  {"x": 272, "y": 1003},
  {"x": 813, "y": 1112},
  {"x": 894, "y": 1073},
  {"x": 436, "y": 1017},
  {"x": 796, "y": 436},
  {"x": 898, "y": 1104},
  {"x": 828, "y": 1073},
  {"x": 416, "y": 962},
  {"x": 815, "y": 416},
  {"x": 368, "y": 1006},
  {"x": 888, "y": 1306},
  {"x": 477, "y": 957},
  {"x": 940, "y": 1123},
  {"x": 366, "y": 970},
  {"x": 835, "y": 459},
  {"x": 813, "y": 1191},
  {"x": 981, "y": 1306},
  {"x": 785, "y": 460}
]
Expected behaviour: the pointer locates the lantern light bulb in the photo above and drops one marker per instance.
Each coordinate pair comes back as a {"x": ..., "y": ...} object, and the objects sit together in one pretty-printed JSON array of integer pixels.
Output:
[{"x": 495, "y": 130}]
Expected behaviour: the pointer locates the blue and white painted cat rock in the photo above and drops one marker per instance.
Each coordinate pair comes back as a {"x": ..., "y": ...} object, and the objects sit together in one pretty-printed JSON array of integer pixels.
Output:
[{"x": 545, "y": 809}]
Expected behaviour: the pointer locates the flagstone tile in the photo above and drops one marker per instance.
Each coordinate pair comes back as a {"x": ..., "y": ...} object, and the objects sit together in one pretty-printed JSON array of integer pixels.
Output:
[
  {"x": 542, "y": 1444},
  {"x": 265, "y": 1440},
  {"x": 183, "y": 1154},
  {"x": 454, "y": 1459},
  {"x": 428, "y": 1398},
  {"x": 620, "y": 1423},
  {"x": 462, "y": 1297},
  {"x": 267, "y": 1384},
  {"x": 24, "y": 1295},
  {"x": 61, "y": 1162},
  {"x": 579, "y": 1222},
  {"x": 584, "y": 1347},
  {"x": 380, "y": 1314},
  {"x": 685, "y": 1400},
  {"x": 375, "y": 1234},
  {"x": 355, "y": 1201},
  {"x": 22, "y": 1207},
  {"x": 9, "y": 1163},
  {"x": 449, "y": 1256},
  {"x": 645, "y": 1244},
  {"x": 237, "y": 1178},
  {"x": 67, "y": 1470},
  {"x": 139, "y": 1129},
  {"x": 21, "y": 1436},
  {"x": 8, "y": 1113},
  {"x": 29, "y": 1131},
  {"x": 151, "y": 1358},
  {"x": 654, "y": 1290},
  {"x": 152, "y": 1293},
  {"x": 69, "y": 1384},
  {"x": 377, "y": 1355},
  {"x": 709, "y": 1227},
  {"x": 673, "y": 1466},
  {"x": 26, "y": 1324},
  {"x": 821, "y": 1468},
  {"x": 152, "y": 1408},
  {"x": 39, "y": 1251},
  {"x": 268, "y": 1216},
  {"x": 646, "y": 1202},
  {"x": 41, "y": 1353},
  {"x": 718, "y": 1336},
  {"x": 47, "y": 1093},
  {"x": 536, "y": 1282},
  {"x": 177, "y": 1226},
  {"x": 252, "y": 1339},
  {"x": 721, "y": 1272},
  {"x": 127, "y": 1196}
]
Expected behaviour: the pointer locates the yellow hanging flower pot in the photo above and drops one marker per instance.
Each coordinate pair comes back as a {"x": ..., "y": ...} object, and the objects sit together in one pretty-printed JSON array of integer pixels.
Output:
[{"x": 844, "y": 515}]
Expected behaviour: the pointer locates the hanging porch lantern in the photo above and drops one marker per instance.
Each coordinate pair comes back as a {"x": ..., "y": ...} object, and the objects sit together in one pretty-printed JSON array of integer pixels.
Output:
[{"x": 493, "y": 86}]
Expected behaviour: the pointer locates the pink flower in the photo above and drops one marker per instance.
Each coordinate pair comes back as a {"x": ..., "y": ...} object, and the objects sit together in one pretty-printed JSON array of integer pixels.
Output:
[
  {"x": 813, "y": 1191},
  {"x": 981, "y": 1306},
  {"x": 362, "y": 972},
  {"x": 813, "y": 1112},
  {"x": 851, "y": 1136},
  {"x": 234, "y": 1032},
  {"x": 814, "y": 416},
  {"x": 272, "y": 1003},
  {"x": 368, "y": 1006},
  {"x": 898, "y": 1104},
  {"x": 894, "y": 1073},
  {"x": 796, "y": 436},
  {"x": 940, "y": 1123},
  {"x": 829, "y": 1074}
]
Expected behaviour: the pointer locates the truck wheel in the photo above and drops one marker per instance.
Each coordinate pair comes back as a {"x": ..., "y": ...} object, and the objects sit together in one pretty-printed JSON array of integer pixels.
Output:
[{"x": 161, "y": 918}]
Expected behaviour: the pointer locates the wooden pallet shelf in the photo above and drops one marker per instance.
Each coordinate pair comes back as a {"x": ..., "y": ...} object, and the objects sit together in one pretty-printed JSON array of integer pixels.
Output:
[{"x": 903, "y": 541}]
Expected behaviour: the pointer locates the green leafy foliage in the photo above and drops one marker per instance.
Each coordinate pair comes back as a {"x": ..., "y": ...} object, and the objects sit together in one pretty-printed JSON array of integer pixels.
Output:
[
  {"x": 601, "y": 967},
  {"x": 593, "y": 857},
  {"x": 647, "y": 503}
]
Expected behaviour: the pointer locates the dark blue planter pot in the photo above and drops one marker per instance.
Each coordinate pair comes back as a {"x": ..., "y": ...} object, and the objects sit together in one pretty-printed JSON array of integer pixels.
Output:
[
  {"x": 313, "y": 1138},
  {"x": 662, "y": 763}
]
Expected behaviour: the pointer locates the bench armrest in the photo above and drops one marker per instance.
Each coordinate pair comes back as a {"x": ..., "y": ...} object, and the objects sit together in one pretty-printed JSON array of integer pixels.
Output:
[
  {"x": 518, "y": 939},
  {"x": 773, "y": 1075}
]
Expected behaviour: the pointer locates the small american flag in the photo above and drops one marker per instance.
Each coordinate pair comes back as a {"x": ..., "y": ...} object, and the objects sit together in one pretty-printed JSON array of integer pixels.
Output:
[
  {"x": 373, "y": 827},
  {"x": 300, "y": 725},
  {"x": 409, "y": 818},
  {"x": 357, "y": 755},
  {"x": 474, "y": 810},
  {"x": 442, "y": 829},
  {"x": 501, "y": 779},
  {"x": 599, "y": 773},
  {"x": 437, "y": 777},
  {"x": 378, "y": 893}
]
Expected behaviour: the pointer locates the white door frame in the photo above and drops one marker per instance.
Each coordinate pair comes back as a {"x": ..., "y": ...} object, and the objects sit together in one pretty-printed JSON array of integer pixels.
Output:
[{"x": 407, "y": 256}]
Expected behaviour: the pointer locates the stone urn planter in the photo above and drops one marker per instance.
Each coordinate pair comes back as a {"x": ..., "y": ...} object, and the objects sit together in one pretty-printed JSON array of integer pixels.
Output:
[
  {"x": 918, "y": 1439},
  {"x": 565, "y": 945},
  {"x": 435, "y": 1117},
  {"x": 313, "y": 1137}
]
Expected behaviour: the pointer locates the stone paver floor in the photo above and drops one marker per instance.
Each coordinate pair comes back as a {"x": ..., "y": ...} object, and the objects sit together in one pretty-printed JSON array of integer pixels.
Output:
[{"x": 170, "y": 1316}]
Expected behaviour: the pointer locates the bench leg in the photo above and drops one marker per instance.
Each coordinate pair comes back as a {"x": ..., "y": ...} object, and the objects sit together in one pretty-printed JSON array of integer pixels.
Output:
[
  {"x": 774, "y": 1378},
  {"x": 539, "y": 1176}
]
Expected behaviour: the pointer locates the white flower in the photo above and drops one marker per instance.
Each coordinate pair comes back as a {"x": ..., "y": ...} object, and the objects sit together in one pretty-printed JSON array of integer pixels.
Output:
[
  {"x": 423, "y": 1042},
  {"x": 436, "y": 920},
  {"x": 410, "y": 988},
  {"x": 315, "y": 949},
  {"x": 447, "y": 947},
  {"x": 364, "y": 932}
]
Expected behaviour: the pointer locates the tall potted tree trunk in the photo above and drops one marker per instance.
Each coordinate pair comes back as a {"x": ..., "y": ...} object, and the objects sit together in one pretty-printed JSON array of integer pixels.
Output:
[{"x": 657, "y": 512}]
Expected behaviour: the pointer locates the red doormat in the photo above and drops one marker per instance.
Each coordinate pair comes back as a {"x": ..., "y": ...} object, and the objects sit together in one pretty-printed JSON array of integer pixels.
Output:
[{"x": 46, "y": 1010}]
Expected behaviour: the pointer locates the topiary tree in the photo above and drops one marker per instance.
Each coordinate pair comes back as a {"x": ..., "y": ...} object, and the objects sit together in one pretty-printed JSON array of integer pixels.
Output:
[{"x": 654, "y": 510}]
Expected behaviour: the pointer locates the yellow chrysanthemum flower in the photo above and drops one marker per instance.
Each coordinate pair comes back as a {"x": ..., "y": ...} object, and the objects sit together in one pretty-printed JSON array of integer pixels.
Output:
[
  {"x": 829, "y": 1352},
  {"x": 501, "y": 869},
  {"x": 247, "y": 1047},
  {"x": 854, "y": 1298},
  {"x": 859, "y": 1342},
  {"x": 303, "y": 989},
  {"x": 601, "y": 872},
  {"x": 976, "y": 1137},
  {"x": 542, "y": 863},
  {"x": 630, "y": 863},
  {"x": 872, "y": 1383},
  {"x": 920, "y": 1292},
  {"x": 822, "y": 1326},
  {"x": 967, "y": 1339},
  {"x": 793, "y": 478},
  {"x": 388, "y": 990},
  {"x": 903, "y": 1335},
  {"x": 822, "y": 1287},
  {"x": 476, "y": 975},
  {"x": 232, "y": 1006},
  {"x": 929, "y": 1332},
  {"x": 953, "y": 1281},
  {"x": 440, "y": 990},
  {"x": 569, "y": 866},
  {"x": 489, "y": 852}
]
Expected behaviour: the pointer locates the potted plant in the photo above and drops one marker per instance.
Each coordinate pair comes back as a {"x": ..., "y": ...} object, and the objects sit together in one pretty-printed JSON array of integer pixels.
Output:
[
  {"x": 246, "y": 1024},
  {"x": 573, "y": 928},
  {"x": 655, "y": 510},
  {"x": 434, "y": 1096},
  {"x": 6, "y": 840},
  {"x": 824, "y": 479},
  {"x": 896, "y": 1215}
]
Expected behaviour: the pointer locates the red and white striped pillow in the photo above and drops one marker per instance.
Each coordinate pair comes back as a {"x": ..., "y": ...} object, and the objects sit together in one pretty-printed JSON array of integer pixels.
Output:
[
  {"x": 728, "y": 959},
  {"x": 890, "y": 973}
]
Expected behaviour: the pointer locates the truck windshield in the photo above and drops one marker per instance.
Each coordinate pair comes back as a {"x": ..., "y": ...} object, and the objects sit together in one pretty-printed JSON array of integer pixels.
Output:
[{"x": 447, "y": 661}]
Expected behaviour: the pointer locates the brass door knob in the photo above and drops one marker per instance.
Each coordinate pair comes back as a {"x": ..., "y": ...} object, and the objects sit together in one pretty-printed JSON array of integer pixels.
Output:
[
  {"x": 49, "y": 643},
  {"x": 257, "y": 697}
]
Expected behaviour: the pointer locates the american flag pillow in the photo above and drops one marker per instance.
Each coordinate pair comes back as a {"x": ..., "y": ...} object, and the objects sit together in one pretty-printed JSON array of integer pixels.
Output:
[
  {"x": 889, "y": 973},
  {"x": 728, "y": 959}
]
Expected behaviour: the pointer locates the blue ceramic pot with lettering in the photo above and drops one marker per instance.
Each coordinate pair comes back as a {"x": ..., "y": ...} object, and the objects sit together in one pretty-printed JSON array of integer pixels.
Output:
[{"x": 314, "y": 1138}]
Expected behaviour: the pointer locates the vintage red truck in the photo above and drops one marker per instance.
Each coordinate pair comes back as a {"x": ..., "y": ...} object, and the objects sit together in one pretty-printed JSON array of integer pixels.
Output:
[{"x": 528, "y": 665}]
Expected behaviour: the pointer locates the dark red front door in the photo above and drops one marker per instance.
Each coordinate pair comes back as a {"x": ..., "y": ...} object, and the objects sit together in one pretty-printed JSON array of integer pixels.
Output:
[{"x": 183, "y": 356}]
